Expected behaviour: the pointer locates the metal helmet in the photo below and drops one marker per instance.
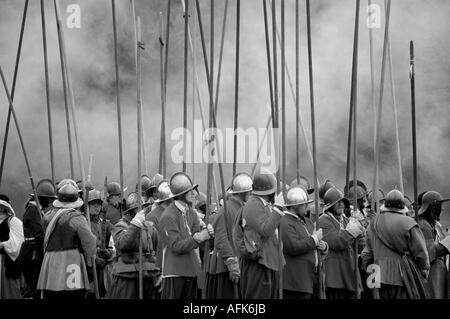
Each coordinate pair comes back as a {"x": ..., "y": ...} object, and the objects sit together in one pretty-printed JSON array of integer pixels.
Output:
[
  {"x": 112, "y": 189},
  {"x": 89, "y": 186},
  {"x": 45, "y": 188},
  {"x": 163, "y": 192},
  {"x": 296, "y": 196},
  {"x": 394, "y": 202},
  {"x": 358, "y": 183},
  {"x": 379, "y": 193},
  {"x": 94, "y": 195},
  {"x": 157, "y": 178},
  {"x": 241, "y": 183},
  {"x": 68, "y": 195},
  {"x": 430, "y": 198},
  {"x": 360, "y": 193},
  {"x": 332, "y": 197},
  {"x": 132, "y": 201},
  {"x": 303, "y": 182},
  {"x": 264, "y": 183},
  {"x": 146, "y": 183},
  {"x": 181, "y": 183},
  {"x": 324, "y": 188}
]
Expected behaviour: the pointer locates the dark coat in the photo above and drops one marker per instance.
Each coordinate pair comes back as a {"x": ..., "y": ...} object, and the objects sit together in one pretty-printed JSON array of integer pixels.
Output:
[
  {"x": 179, "y": 256},
  {"x": 299, "y": 251},
  {"x": 339, "y": 264},
  {"x": 112, "y": 213},
  {"x": 436, "y": 282},
  {"x": 223, "y": 248},
  {"x": 154, "y": 216},
  {"x": 260, "y": 231},
  {"x": 33, "y": 230}
]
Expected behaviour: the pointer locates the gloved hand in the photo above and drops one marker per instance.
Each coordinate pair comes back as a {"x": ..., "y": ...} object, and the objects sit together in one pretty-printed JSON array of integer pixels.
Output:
[
  {"x": 104, "y": 253},
  {"x": 201, "y": 236},
  {"x": 139, "y": 219},
  {"x": 158, "y": 283},
  {"x": 233, "y": 267},
  {"x": 425, "y": 273},
  {"x": 210, "y": 229},
  {"x": 354, "y": 228},
  {"x": 322, "y": 246},
  {"x": 317, "y": 236}
]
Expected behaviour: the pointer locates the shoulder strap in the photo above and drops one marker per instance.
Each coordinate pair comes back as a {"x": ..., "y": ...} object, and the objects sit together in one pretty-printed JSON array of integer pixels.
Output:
[{"x": 51, "y": 226}]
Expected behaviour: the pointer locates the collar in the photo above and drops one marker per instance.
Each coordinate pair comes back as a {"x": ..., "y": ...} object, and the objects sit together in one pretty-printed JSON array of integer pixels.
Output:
[
  {"x": 291, "y": 214},
  {"x": 340, "y": 220},
  {"x": 181, "y": 206},
  {"x": 265, "y": 203}
]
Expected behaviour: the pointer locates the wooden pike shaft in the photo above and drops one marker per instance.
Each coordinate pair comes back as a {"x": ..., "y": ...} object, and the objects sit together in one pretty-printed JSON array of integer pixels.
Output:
[
  {"x": 297, "y": 90},
  {"x": 119, "y": 113},
  {"x": 275, "y": 90},
  {"x": 236, "y": 86},
  {"x": 47, "y": 92},
  {"x": 413, "y": 120},
  {"x": 380, "y": 104},
  {"x": 354, "y": 102},
  {"x": 77, "y": 137},
  {"x": 186, "y": 44},
  {"x": 22, "y": 144},
  {"x": 139, "y": 124},
  {"x": 166, "y": 60},
  {"x": 313, "y": 129},
  {"x": 222, "y": 42},
  {"x": 163, "y": 101},
  {"x": 13, "y": 89}
]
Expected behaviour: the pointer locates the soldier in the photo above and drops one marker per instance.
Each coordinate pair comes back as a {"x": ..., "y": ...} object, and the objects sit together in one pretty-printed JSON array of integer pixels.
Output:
[
  {"x": 101, "y": 228},
  {"x": 69, "y": 246},
  {"x": 300, "y": 245},
  {"x": 396, "y": 247},
  {"x": 32, "y": 251},
  {"x": 112, "y": 207},
  {"x": 182, "y": 232},
  {"x": 260, "y": 219},
  {"x": 11, "y": 239},
  {"x": 437, "y": 241},
  {"x": 370, "y": 206},
  {"x": 163, "y": 197},
  {"x": 127, "y": 234},
  {"x": 224, "y": 272},
  {"x": 339, "y": 232},
  {"x": 358, "y": 209}
]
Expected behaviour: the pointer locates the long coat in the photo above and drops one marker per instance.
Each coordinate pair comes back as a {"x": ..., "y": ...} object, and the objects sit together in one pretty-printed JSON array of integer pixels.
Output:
[
  {"x": 177, "y": 228},
  {"x": 260, "y": 232},
  {"x": 299, "y": 251},
  {"x": 339, "y": 264},
  {"x": 436, "y": 282}
]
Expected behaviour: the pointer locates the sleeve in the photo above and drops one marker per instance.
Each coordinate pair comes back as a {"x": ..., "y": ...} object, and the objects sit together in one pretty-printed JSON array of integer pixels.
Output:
[
  {"x": 174, "y": 238},
  {"x": 367, "y": 253},
  {"x": 336, "y": 239},
  {"x": 16, "y": 238},
  {"x": 34, "y": 223},
  {"x": 87, "y": 238},
  {"x": 196, "y": 222},
  {"x": 264, "y": 225},
  {"x": 126, "y": 237},
  {"x": 417, "y": 246},
  {"x": 293, "y": 243},
  {"x": 221, "y": 242},
  {"x": 434, "y": 248}
]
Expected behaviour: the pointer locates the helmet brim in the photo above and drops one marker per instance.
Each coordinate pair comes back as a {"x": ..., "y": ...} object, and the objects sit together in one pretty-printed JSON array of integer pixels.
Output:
[
  {"x": 194, "y": 187},
  {"x": 53, "y": 197},
  {"x": 309, "y": 201},
  {"x": 76, "y": 204},
  {"x": 344, "y": 199},
  {"x": 241, "y": 191},
  {"x": 264, "y": 193}
]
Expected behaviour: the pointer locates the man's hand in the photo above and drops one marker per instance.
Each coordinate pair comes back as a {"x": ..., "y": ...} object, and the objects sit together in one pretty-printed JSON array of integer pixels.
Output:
[
  {"x": 201, "y": 236},
  {"x": 317, "y": 236},
  {"x": 233, "y": 267},
  {"x": 139, "y": 219}
]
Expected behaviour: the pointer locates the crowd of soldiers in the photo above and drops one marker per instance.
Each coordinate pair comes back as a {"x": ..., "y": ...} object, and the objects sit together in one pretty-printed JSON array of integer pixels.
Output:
[{"x": 163, "y": 244}]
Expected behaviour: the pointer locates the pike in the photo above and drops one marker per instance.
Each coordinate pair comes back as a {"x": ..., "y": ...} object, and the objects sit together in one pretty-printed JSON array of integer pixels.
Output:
[
  {"x": 119, "y": 113},
  {"x": 163, "y": 101},
  {"x": 91, "y": 160},
  {"x": 22, "y": 144},
  {"x": 13, "y": 89},
  {"x": 139, "y": 145},
  {"x": 166, "y": 60},
  {"x": 47, "y": 92},
  {"x": 275, "y": 85},
  {"x": 297, "y": 90},
  {"x": 185, "y": 89},
  {"x": 354, "y": 100},
  {"x": 394, "y": 107},
  {"x": 236, "y": 86},
  {"x": 313, "y": 133},
  {"x": 222, "y": 42},
  {"x": 380, "y": 105},
  {"x": 66, "y": 100},
  {"x": 283, "y": 135},
  {"x": 372, "y": 95},
  {"x": 412, "y": 77},
  {"x": 77, "y": 138}
]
